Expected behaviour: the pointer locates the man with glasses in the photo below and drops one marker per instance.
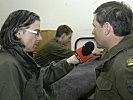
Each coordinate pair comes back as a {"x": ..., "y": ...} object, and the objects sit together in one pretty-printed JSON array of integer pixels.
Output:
[{"x": 21, "y": 78}]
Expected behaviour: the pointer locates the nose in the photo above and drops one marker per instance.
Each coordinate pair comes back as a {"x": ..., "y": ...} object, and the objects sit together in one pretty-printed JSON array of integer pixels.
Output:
[
  {"x": 39, "y": 38},
  {"x": 93, "y": 32}
]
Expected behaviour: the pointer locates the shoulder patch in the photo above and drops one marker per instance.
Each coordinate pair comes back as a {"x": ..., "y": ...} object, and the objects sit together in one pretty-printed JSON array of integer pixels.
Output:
[{"x": 130, "y": 62}]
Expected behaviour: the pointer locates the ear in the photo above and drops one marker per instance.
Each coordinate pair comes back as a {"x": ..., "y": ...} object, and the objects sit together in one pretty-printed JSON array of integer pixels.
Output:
[
  {"x": 18, "y": 34},
  {"x": 63, "y": 36},
  {"x": 107, "y": 27}
]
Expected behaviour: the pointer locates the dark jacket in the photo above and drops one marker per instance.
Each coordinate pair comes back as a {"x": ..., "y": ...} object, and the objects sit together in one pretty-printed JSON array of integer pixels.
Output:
[
  {"x": 115, "y": 74},
  {"x": 52, "y": 51},
  {"x": 22, "y": 79}
]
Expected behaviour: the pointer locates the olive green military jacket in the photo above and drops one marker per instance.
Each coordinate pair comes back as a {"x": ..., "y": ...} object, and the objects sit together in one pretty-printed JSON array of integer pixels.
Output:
[
  {"x": 22, "y": 79},
  {"x": 52, "y": 51},
  {"x": 115, "y": 75}
]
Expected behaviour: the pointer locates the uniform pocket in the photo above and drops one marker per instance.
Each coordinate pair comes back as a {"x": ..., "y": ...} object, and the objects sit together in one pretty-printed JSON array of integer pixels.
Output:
[{"x": 103, "y": 84}]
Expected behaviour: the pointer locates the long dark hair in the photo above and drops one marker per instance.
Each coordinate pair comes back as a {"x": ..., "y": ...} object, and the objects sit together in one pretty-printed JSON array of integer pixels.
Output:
[{"x": 16, "y": 20}]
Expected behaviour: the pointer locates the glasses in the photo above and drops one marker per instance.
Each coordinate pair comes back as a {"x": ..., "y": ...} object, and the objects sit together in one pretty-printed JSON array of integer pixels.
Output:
[{"x": 34, "y": 32}]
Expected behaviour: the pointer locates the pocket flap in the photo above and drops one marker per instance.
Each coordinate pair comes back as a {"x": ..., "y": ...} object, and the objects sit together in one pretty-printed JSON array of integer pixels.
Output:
[{"x": 103, "y": 84}]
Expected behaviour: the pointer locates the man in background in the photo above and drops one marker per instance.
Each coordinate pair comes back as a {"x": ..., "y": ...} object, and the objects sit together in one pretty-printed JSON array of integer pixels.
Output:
[
  {"x": 112, "y": 30},
  {"x": 54, "y": 49}
]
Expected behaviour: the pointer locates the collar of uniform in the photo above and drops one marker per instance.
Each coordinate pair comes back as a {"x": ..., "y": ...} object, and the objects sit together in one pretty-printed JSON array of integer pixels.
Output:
[
  {"x": 57, "y": 40},
  {"x": 123, "y": 45}
]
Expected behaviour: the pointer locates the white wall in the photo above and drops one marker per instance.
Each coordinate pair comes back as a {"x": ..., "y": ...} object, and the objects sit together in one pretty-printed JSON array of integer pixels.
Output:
[{"x": 78, "y": 14}]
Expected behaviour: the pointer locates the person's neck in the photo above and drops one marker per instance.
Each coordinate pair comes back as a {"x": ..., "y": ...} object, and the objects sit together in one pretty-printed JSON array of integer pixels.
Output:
[{"x": 114, "y": 41}]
